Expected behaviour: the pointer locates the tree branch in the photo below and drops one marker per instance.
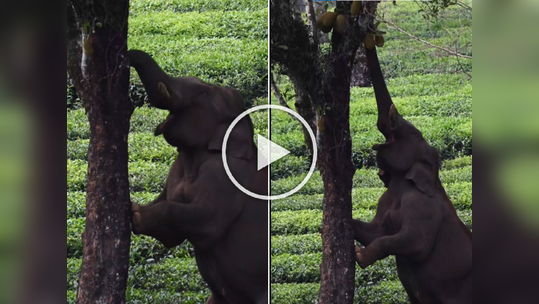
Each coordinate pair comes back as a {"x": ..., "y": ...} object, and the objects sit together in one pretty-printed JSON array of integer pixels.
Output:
[
  {"x": 279, "y": 96},
  {"x": 283, "y": 103},
  {"x": 312, "y": 20},
  {"x": 464, "y": 5},
  {"x": 394, "y": 26}
]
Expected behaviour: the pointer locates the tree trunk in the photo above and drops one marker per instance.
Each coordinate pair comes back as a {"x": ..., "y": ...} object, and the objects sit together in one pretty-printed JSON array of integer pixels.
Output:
[
  {"x": 100, "y": 71},
  {"x": 322, "y": 85},
  {"x": 337, "y": 170},
  {"x": 360, "y": 71}
]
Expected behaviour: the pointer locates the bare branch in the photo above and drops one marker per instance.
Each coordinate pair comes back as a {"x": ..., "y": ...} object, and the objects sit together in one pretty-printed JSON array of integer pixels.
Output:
[
  {"x": 460, "y": 66},
  {"x": 394, "y": 26},
  {"x": 464, "y": 5},
  {"x": 279, "y": 96}
]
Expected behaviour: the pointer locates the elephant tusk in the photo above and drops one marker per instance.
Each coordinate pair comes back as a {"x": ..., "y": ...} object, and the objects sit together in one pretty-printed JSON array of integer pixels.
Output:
[
  {"x": 393, "y": 117},
  {"x": 161, "y": 128},
  {"x": 163, "y": 90}
]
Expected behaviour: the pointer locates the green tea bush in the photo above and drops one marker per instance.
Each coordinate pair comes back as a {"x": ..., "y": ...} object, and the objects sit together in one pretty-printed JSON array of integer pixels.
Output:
[
  {"x": 305, "y": 268},
  {"x": 229, "y": 62},
  {"x": 451, "y": 136},
  {"x": 460, "y": 194},
  {"x": 417, "y": 85},
  {"x": 295, "y": 222},
  {"x": 301, "y": 293},
  {"x": 171, "y": 281},
  {"x": 289, "y": 166},
  {"x": 182, "y": 6},
  {"x": 145, "y": 119},
  {"x": 201, "y": 25},
  {"x": 420, "y": 62},
  {"x": 363, "y": 178},
  {"x": 309, "y": 221},
  {"x": 294, "y": 293},
  {"x": 457, "y": 163},
  {"x": 221, "y": 42},
  {"x": 150, "y": 176},
  {"x": 143, "y": 176},
  {"x": 381, "y": 293},
  {"x": 77, "y": 125},
  {"x": 143, "y": 248},
  {"x": 296, "y": 244},
  {"x": 73, "y": 272},
  {"x": 172, "y": 274},
  {"x": 142, "y": 296},
  {"x": 224, "y": 42},
  {"x": 453, "y": 104},
  {"x": 76, "y": 204}
]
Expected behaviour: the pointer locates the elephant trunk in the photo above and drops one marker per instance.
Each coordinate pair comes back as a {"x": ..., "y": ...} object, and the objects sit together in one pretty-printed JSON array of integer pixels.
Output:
[
  {"x": 151, "y": 76},
  {"x": 383, "y": 99}
]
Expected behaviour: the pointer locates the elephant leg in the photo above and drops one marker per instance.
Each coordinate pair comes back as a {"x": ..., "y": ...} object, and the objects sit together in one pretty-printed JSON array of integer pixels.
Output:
[
  {"x": 216, "y": 299},
  {"x": 412, "y": 298},
  {"x": 168, "y": 237},
  {"x": 365, "y": 232},
  {"x": 408, "y": 242},
  {"x": 189, "y": 220},
  {"x": 263, "y": 299}
]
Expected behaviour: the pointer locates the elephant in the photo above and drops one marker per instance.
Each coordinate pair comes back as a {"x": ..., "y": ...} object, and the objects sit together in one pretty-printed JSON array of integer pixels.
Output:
[
  {"x": 415, "y": 220},
  {"x": 199, "y": 203}
]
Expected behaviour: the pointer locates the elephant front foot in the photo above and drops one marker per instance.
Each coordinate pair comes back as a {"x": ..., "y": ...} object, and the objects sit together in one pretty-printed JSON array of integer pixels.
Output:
[
  {"x": 216, "y": 299},
  {"x": 144, "y": 219},
  {"x": 136, "y": 219},
  {"x": 364, "y": 257}
]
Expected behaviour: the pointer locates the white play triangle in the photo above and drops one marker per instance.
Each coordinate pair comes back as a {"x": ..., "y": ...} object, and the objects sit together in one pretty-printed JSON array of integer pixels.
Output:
[{"x": 268, "y": 152}]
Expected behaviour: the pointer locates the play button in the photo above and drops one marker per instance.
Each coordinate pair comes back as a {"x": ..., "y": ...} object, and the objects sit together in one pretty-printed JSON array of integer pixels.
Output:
[{"x": 268, "y": 151}]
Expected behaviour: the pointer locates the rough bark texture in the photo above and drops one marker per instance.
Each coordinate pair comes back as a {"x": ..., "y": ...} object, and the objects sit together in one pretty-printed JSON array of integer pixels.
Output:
[
  {"x": 322, "y": 85},
  {"x": 360, "y": 72},
  {"x": 100, "y": 72}
]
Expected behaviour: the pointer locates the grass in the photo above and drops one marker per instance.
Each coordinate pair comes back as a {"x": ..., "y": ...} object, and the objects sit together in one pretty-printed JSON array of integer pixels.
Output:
[
  {"x": 225, "y": 42},
  {"x": 427, "y": 92}
]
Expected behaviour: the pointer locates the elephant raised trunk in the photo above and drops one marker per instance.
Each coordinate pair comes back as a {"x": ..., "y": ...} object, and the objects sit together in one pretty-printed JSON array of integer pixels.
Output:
[
  {"x": 383, "y": 99},
  {"x": 153, "y": 78}
]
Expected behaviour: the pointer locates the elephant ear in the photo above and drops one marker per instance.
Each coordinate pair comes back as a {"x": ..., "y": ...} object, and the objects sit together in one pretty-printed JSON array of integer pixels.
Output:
[
  {"x": 240, "y": 141},
  {"x": 229, "y": 103},
  {"x": 384, "y": 177},
  {"x": 425, "y": 173}
]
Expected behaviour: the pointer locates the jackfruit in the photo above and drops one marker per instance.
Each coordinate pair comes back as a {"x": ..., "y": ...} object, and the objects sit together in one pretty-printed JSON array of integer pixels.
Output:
[
  {"x": 369, "y": 41},
  {"x": 325, "y": 21},
  {"x": 356, "y": 8},
  {"x": 340, "y": 23},
  {"x": 379, "y": 39}
]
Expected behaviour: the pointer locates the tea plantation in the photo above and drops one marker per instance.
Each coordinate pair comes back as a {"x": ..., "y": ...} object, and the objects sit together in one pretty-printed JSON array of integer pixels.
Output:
[
  {"x": 428, "y": 92},
  {"x": 222, "y": 42},
  {"x": 225, "y": 42}
]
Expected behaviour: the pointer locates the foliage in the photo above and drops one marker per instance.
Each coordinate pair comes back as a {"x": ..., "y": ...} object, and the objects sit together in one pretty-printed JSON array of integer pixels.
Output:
[
  {"x": 221, "y": 42},
  {"x": 184, "y": 6},
  {"x": 424, "y": 88}
]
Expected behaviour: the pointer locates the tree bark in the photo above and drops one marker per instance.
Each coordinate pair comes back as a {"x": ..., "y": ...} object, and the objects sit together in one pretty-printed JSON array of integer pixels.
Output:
[
  {"x": 322, "y": 85},
  {"x": 360, "y": 71},
  {"x": 98, "y": 65}
]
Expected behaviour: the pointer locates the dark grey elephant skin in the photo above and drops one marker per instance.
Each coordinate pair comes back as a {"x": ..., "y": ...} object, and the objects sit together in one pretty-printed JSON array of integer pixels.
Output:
[
  {"x": 227, "y": 228},
  {"x": 415, "y": 220}
]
